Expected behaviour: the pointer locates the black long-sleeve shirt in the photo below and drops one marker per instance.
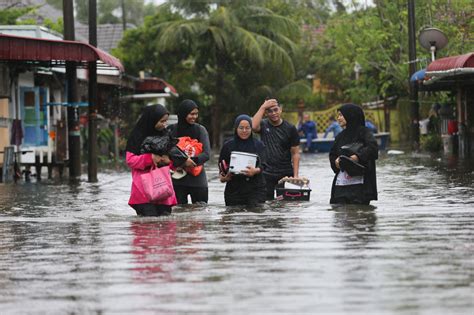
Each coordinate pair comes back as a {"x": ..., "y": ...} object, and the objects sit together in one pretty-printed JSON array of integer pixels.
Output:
[{"x": 360, "y": 193}]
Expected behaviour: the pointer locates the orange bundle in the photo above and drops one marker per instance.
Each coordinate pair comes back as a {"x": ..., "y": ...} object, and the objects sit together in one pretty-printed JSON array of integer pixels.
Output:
[{"x": 191, "y": 147}]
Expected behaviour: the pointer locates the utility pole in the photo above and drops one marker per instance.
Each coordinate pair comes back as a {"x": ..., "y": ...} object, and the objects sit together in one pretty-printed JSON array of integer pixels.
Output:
[
  {"x": 414, "y": 106},
  {"x": 124, "y": 15},
  {"x": 92, "y": 67},
  {"x": 74, "y": 135}
]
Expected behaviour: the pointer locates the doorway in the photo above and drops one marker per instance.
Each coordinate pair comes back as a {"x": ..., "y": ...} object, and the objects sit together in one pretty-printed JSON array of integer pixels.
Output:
[{"x": 35, "y": 115}]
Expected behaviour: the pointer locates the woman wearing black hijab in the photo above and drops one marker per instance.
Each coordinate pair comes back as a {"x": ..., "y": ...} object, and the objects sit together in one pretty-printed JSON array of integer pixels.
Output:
[
  {"x": 151, "y": 123},
  {"x": 247, "y": 188},
  {"x": 354, "y": 189},
  {"x": 195, "y": 186}
]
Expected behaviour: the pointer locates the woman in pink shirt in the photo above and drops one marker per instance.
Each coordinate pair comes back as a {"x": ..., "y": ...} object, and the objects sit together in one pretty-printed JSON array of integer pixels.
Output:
[{"x": 152, "y": 123}]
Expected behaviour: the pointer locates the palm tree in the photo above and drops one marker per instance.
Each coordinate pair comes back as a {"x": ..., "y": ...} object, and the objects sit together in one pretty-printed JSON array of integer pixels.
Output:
[{"x": 229, "y": 35}]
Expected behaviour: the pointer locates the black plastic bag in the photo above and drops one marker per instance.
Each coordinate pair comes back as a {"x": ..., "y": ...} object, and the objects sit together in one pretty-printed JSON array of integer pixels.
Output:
[
  {"x": 351, "y": 149},
  {"x": 178, "y": 156},
  {"x": 160, "y": 145},
  {"x": 350, "y": 166}
]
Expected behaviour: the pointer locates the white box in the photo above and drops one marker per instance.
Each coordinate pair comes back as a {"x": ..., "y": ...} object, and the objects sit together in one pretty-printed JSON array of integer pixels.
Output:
[{"x": 240, "y": 160}]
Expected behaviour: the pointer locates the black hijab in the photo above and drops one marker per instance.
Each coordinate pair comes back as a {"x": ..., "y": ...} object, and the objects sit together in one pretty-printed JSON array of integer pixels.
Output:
[
  {"x": 355, "y": 120},
  {"x": 184, "y": 128},
  {"x": 248, "y": 145},
  {"x": 145, "y": 127},
  {"x": 354, "y": 116}
]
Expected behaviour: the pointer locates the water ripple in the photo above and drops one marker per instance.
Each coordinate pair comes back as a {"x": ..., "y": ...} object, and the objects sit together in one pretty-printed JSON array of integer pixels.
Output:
[{"x": 79, "y": 249}]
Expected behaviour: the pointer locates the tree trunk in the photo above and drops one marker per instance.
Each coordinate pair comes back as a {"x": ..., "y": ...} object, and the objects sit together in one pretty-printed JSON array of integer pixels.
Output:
[
  {"x": 215, "y": 122},
  {"x": 218, "y": 102}
]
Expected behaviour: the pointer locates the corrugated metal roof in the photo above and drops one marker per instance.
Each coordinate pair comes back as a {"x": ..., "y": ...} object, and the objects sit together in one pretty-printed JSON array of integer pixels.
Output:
[
  {"x": 17, "y": 48},
  {"x": 154, "y": 85},
  {"x": 30, "y": 31},
  {"x": 108, "y": 35},
  {"x": 452, "y": 63}
]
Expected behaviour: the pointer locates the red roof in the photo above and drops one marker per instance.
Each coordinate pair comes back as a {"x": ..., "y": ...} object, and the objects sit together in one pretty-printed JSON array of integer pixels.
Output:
[
  {"x": 454, "y": 62},
  {"x": 154, "y": 85},
  {"x": 18, "y": 48}
]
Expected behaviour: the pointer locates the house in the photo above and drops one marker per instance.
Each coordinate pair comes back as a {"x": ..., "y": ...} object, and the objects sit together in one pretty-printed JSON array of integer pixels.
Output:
[
  {"x": 33, "y": 94},
  {"x": 108, "y": 35},
  {"x": 43, "y": 10},
  {"x": 33, "y": 115},
  {"x": 454, "y": 74}
]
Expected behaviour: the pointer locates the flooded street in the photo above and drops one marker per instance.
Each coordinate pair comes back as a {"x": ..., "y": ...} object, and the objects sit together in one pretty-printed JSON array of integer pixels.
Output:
[{"x": 79, "y": 249}]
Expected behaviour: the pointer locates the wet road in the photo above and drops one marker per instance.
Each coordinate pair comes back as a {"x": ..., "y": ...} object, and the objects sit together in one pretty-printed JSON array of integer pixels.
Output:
[{"x": 79, "y": 249}]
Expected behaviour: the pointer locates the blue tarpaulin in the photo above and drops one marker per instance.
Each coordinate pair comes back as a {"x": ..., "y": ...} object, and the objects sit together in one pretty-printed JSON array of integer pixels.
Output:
[
  {"x": 419, "y": 75},
  {"x": 74, "y": 104}
]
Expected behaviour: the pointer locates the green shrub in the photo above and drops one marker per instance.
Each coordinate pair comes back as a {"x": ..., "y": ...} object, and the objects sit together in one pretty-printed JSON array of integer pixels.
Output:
[{"x": 431, "y": 143}]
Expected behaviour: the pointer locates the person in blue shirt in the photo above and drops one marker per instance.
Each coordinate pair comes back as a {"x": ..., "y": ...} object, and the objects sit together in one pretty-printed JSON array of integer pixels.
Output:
[
  {"x": 333, "y": 126},
  {"x": 308, "y": 130},
  {"x": 371, "y": 126}
]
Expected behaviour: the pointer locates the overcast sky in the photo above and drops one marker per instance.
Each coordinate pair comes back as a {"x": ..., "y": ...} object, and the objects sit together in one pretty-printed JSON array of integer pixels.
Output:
[{"x": 155, "y": 1}]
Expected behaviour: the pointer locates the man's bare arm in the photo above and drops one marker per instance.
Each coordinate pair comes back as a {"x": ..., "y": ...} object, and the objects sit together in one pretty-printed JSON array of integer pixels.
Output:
[
  {"x": 295, "y": 160},
  {"x": 257, "y": 118}
]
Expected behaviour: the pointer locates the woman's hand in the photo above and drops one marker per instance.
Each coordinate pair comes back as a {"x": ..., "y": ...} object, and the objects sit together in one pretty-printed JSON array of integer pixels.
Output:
[
  {"x": 250, "y": 171},
  {"x": 189, "y": 163},
  {"x": 352, "y": 157},
  {"x": 156, "y": 159},
  {"x": 355, "y": 158},
  {"x": 225, "y": 177}
]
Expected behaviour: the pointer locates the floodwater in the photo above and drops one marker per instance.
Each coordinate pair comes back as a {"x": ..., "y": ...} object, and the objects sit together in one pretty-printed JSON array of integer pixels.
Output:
[{"x": 79, "y": 249}]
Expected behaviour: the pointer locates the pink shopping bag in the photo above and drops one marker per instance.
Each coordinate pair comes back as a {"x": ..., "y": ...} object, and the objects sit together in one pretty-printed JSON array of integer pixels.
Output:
[{"x": 157, "y": 183}]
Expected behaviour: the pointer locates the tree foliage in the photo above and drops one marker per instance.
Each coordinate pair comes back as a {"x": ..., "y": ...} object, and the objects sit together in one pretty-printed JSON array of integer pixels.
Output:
[
  {"x": 303, "y": 12},
  {"x": 235, "y": 53},
  {"x": 57, "y": 26},
  {"x": 110, "y": 11},
  {"x": 377, "y": 39},
  {"x": 10, "y": 16},
  {"x": 220, "y": 50}
]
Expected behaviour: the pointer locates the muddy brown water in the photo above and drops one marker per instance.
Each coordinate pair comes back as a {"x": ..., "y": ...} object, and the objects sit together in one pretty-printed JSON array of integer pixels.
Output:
[{"x": 79, "y": 249}]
